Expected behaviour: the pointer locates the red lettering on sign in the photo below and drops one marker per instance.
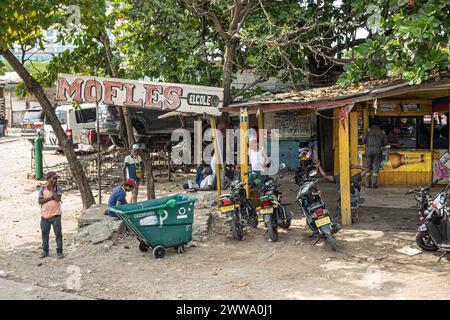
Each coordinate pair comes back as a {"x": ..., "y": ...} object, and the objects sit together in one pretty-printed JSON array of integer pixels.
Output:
[
  {"x": 110, "y": 90},
  {"x": 152, "y": 93},
  {"x": 129, "y": 102},
  {"x": 89, "y": 97},
  {"x": 172, "y": 95},
  {"x": 71, "y": 90}
]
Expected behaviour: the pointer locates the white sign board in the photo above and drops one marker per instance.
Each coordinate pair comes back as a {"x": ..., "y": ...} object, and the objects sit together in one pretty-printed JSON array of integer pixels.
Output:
[
  {"x": 411, "y": 107},
  {"x": 139, "y": 94},
  {"x": 388, "y": 107}
]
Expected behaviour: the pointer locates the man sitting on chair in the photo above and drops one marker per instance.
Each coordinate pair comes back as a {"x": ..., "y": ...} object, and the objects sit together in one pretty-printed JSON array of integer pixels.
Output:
[
  {"x": 207, "y": 183},
  {"x": 354, "y": 182}
]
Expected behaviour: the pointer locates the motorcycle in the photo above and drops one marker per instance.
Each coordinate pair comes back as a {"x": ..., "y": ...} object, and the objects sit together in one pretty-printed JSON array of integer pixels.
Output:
[
  {"x": 434, "y": 233},
  {"x": 272, "y": 208},
  {"x": 238, "y": 210},
  {"x": 314, "y": 209}
]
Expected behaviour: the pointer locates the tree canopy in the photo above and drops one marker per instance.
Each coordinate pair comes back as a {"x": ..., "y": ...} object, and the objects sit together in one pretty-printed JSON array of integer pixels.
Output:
[
  {"x": 410, "y": 41},
  {"x": 187, "y": 41}
]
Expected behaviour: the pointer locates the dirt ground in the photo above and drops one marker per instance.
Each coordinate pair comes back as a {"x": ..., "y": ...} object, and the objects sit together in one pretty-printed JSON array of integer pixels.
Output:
[{"x": 365, "y": 267}]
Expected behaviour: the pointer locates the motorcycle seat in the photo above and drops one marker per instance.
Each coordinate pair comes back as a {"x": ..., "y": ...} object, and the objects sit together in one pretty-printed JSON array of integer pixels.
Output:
[{"x": 313, "y": 206}]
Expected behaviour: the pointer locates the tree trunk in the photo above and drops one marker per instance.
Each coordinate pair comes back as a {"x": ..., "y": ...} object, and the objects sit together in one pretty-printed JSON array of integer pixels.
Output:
[
  {"x": 127, "y": 124},
  {"x": 146, "y": 157},
  {"x": 115, "y": 73},
  {"x": 105, "y": 40},
  {"x": 75, "y": 166},
  {"x": 227, "y": 78},
  {"x": 150, "y": 182},
  {"x": 123, "y": 128}
]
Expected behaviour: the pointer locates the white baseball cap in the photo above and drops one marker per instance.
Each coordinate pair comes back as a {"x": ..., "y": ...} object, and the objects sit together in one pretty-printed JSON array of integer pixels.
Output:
[{"x": 135, "y": 147}]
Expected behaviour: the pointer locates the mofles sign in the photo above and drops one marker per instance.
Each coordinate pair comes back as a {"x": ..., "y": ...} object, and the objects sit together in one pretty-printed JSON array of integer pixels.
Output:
[{"x": 139, "y": 94}]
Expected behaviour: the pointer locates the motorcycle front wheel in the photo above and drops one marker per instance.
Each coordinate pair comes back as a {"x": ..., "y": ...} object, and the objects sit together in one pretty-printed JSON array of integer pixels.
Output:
[
  {"x": 236, "y": 228},
  {"x": 425, "y": 242}
]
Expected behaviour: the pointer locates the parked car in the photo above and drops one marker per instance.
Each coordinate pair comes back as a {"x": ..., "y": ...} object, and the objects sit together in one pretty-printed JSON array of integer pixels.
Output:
[
  {"x": 88, "y": 141},
  {"x": 148, "y": 128},
  {"x": 33, "y": 120},
  {"x": 73, "y": 121}
]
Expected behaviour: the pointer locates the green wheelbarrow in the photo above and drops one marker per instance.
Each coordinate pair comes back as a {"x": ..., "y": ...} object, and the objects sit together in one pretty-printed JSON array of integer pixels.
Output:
[{"x": 160, "y": 223}]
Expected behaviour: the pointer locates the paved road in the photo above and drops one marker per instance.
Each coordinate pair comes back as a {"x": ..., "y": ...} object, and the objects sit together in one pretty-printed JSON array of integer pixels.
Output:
[
  {"x": 12, "y": 290},
  {"x": 10, "y": 138}
]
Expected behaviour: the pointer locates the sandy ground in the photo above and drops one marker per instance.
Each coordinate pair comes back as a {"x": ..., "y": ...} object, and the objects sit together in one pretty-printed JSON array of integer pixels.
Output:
[
  {"x": 20, "y": 212},
  {"x": 365, "y": 267}
]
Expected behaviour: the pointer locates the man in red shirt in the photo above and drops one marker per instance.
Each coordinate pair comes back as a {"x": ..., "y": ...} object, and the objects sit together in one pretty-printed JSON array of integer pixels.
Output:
[{"x": 50, "y": 201}]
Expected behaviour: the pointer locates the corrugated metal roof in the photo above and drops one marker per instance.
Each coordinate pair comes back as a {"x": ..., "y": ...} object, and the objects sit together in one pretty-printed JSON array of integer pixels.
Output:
[{"x": 318, "y": 96}]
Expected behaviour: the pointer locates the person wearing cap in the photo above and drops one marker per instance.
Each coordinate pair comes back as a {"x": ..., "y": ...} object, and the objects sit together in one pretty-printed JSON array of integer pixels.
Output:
[
  {"x": 119, "y": 195},
  {"x": 133, "y": 168},
  {"x": 50, "y": 201}
]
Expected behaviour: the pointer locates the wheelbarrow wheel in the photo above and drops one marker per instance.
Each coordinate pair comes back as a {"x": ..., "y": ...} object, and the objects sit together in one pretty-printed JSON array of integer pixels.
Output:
[
  {"x": 181, "y": 248},
  {"x": 143, "y": 247},
  {"x": 159, "y": 252}
]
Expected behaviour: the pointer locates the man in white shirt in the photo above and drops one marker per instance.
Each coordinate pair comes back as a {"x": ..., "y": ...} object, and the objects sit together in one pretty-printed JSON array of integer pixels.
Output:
[
  {"x": 207, "y": 183},
  {"x": 258, "y": 160}
]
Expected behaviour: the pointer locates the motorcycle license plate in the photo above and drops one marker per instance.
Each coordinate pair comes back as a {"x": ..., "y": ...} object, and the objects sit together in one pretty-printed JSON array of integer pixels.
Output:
[
  {"x": 28, "y": 126},
  {"x": 266, "y": 211},
  {"x": 323, "y": 221},
  {"x": 226, "y": 208}
]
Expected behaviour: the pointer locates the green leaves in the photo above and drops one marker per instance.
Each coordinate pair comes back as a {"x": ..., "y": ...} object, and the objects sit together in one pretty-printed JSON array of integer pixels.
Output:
[{"x": 413, "y": 48}]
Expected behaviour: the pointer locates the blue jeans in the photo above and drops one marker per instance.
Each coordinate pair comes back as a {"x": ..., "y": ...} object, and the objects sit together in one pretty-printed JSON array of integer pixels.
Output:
[{"x": 54, "y": 221}]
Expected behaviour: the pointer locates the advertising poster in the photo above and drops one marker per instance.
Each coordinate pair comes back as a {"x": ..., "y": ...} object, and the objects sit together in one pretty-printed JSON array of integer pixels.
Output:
[
  {"x": 441, "y": 166},
  {"x": 401, "y": 160}
]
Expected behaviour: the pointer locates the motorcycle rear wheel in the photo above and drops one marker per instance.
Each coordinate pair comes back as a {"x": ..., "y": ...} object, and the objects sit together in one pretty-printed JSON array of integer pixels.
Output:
[
  {"x": 284, "y": 223},
  {"x": 236, "y": 228},
  {"x": 331, "y": 242},
  {"x": 252, "y": 218},
  {"x": 425, "y": 242},
  {"x": 272, "y": 229}
]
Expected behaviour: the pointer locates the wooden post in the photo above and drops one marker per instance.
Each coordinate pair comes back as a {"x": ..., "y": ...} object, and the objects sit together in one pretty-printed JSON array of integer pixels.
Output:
[
  {"x": 336, "y": 141},
  {"x": 366, "y": 118},
  {"x": 344, "y": 166},
  {"x": 243, "y": 141},
  {"x": 354, "y": 139},
  {"x": 262, "y": 139},
  {"x": 217, "y": 154},
  {"x": 198, "y": 141},
  {"x": 432, "y": 135},
  {"x": 260, "y": 119}
]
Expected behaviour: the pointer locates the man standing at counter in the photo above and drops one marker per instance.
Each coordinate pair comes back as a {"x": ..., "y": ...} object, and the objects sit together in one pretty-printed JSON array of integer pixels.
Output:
[
  {"x": 393, "y": 137},
  {"x": 374, "y": 139}
]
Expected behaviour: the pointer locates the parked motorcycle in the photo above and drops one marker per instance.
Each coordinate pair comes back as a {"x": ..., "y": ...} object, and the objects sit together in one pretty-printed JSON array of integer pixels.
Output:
[
  {"x": 272, "y": 208},
  {"x": 238, "y": 210},
  {"x": 314, "y": 209},
  {"x": 434, "y": 233}
]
